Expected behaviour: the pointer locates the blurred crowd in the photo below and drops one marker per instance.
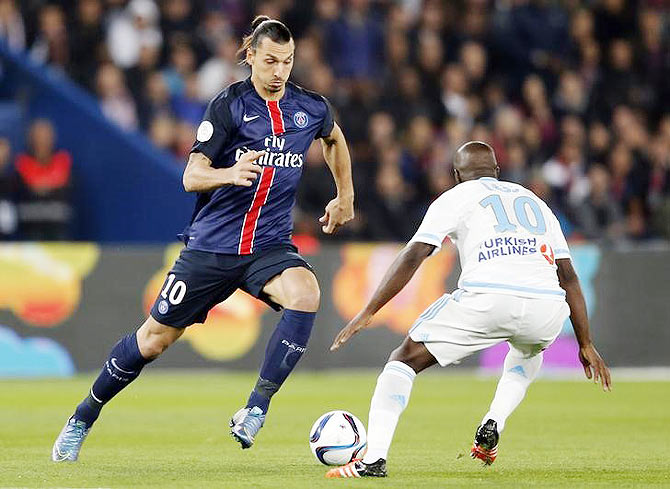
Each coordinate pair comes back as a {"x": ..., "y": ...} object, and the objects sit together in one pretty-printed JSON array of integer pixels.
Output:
[
  {"x": 573, "y": 95},
  {"x": 35, "y": 189}
]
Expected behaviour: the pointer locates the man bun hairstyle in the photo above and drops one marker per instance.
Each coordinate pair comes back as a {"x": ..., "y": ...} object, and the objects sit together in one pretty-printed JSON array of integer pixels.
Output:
[{"x": 264, "y": 26}]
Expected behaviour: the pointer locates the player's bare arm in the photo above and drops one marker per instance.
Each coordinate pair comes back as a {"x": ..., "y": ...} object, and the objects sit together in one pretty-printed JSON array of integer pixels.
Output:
[
  {"x": 340, "y": 210},
  {"x": 200, "y": 176},
  {"x": 398, "y": 275},
  {"x": 594, "y": 365}
]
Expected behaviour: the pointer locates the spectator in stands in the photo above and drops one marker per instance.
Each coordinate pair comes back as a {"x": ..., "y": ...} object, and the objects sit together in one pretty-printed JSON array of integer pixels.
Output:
[
  {"x": 221, "y": 70},
  {"x": 184, "y": 137},
  {"x": 155, "y": 100},
  {"x": 131, "y": 29},
  {"x": 516, "y": 167},
  {"x": 537, "y": 108},
  {"x": 391, "y": 210},
  {"x": 430, "y": 58},
  {"x": 12, "y": 30},
  {"x": 557, "y": 87},
  {"x": 187, "y": 106},
  {"x": 115, "y": 99},
  {"x": 565, "y": 174},
  {"x": 162, "y": 131},
  {"x": 625, "y": 189},
  {"x": 87, "y": 42},
  {"x": 45, "y": 179},
  {"x": 532, "y": 36},
  {"x": 51, "y": 45},
  {"x": 658, "y": 188},
  {"x": 354, "y": 42},
  {"x": 404, "y": 98},
  {"x": 599, "y": 142},
  {"x": 8, "y": 192},
  {"x": 454, "y": 94},
  {"x": 474, "y": 59},
  {"x": 138, "y": 75},
  {"x": 571, "y": 96},
  {"x": 178, "y": 16},
  {"x": 619, "y": 80},
  {"x": 599, "y": 215},
  {"x": 614, "y": 19},
  {"x": 181, "y": 65}
]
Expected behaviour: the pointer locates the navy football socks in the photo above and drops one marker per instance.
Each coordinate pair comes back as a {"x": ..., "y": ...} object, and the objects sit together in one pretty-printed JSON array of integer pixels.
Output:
[
  {"x": 122, "y": 367},
  {"x": 287, "y": 344}
]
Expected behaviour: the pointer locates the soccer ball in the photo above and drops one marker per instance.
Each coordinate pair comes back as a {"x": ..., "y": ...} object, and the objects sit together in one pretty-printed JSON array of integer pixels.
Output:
[{"x": 337, "y": 437}]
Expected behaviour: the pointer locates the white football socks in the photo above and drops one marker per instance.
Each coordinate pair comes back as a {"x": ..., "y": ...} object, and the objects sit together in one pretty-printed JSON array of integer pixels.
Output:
[
  {"x": 391, "y": 396},
  {"x": 518, "y": 374}
]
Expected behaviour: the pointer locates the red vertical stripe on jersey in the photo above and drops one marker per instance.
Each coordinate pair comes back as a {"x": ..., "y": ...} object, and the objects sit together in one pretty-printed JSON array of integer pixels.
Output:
[
  {"x": 263, "y": 190},
  {"x": 251, "y": 218},
  {"x": 276, "y": 117}
]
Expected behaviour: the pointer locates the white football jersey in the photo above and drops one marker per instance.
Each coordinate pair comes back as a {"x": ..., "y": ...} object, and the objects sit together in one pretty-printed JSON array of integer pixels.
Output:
[{"x": 507, "y": 237}]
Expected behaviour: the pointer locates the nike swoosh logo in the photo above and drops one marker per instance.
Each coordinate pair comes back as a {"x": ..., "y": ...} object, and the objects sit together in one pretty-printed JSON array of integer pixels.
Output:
[
  {"x": 119, "y": 368},
  {"x": 245, "y": 118},
  {"x": 59, "y": 456}
]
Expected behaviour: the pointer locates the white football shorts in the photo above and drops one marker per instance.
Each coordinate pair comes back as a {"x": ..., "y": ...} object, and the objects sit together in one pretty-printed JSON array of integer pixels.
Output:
[{"x": 462, "y": 323}]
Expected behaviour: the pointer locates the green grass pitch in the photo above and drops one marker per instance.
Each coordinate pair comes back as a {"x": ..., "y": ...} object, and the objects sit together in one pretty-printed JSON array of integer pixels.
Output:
[{"x": 171, "y": 430}]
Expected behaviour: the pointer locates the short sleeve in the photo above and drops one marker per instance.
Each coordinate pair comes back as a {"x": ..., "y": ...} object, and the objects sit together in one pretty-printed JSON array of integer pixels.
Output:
[
  {"x": 214, "y": 130},
  {"x": 440, "y": 221},
  {"x": 328, "y": 121},
  {"x": 558, "y": 242}
]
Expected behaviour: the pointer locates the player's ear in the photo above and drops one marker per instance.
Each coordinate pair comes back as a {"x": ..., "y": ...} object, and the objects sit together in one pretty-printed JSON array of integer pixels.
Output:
[
  {"x": 250, "y": 56},
  {"x": 457, "y": 176},
  {"x": 497, "y": 171}
]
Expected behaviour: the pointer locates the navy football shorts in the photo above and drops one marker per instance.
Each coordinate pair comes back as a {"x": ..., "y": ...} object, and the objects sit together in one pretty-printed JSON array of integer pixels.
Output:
[{"x": 199, "y": 280}]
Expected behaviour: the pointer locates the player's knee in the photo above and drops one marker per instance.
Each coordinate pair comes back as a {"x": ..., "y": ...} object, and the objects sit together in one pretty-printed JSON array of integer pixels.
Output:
[
  {"x": 415, "y": 355},
  {"x": 152, "y": 348},
  {"x": 399, "y": 355},
  {"x": 154, "y": 338},
  {"x": 306, "y": 298}
]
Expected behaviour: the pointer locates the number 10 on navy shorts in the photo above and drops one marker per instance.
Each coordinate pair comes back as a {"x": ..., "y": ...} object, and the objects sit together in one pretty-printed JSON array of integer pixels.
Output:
[{"x": 199, "y": 280}]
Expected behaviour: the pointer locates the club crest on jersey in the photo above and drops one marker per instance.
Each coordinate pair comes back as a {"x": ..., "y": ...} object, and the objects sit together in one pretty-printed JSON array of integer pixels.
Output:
[
  {"x": 547, "y": 253},
  {"x": 300, "y": 119}
]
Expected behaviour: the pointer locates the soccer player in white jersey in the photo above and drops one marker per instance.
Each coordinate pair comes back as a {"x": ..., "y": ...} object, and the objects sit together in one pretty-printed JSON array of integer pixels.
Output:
[{"x": 517, "y": 285}]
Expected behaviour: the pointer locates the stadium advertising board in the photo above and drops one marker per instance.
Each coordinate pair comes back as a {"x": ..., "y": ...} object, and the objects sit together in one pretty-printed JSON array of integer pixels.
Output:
[{"x": 63, "y": 306}]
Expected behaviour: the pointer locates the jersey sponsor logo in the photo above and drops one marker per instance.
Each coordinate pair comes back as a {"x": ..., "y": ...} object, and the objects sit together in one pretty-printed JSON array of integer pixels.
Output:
[
  {"x": 497, "y": 247},
  {"x": 300, "y": 119},
  {"x": 247, "y": 118},
  {"x": 275, "y": 156},
  {"x": 163, "y": 307},
  {"x": 205, "y": 131}
]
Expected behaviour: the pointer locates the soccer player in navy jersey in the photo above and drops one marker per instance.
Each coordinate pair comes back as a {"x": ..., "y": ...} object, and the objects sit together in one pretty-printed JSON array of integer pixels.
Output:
[{"x": 245, "y": 167}]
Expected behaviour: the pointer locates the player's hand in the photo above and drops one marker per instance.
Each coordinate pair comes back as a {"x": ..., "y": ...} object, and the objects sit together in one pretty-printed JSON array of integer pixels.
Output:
[
  {"x": 339, "y": 211},
  {"x": 245, "y": 172},
  {"x": 355, "y": 325},
  {"x": 594, "y": 366}
]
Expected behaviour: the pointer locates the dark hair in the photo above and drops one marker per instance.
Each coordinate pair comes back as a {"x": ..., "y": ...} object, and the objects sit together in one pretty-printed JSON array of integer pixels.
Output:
[{"x": 264, "y": 26}]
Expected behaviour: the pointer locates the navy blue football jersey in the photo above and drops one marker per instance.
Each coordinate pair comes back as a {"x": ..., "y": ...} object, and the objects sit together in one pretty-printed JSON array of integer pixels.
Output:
[{"x": 242, "y": 220}]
